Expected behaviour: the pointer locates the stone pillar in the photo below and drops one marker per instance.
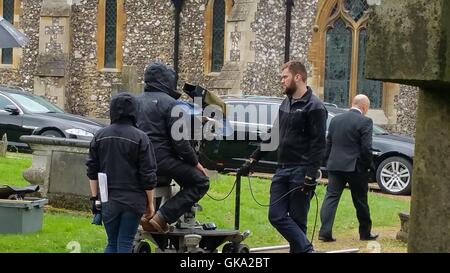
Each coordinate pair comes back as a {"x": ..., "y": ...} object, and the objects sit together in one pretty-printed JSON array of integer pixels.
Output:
[
  {"x": 239, "y": 38},
  {"x": 430, "y": 202},
  {"x": 3, "y": 146},
  {"x": 416, "y": 51},
  {"x": 54, "y": 48}
]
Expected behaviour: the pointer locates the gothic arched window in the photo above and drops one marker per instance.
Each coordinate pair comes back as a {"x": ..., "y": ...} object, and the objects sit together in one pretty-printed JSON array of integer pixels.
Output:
[{"x": 345, "y": 37}]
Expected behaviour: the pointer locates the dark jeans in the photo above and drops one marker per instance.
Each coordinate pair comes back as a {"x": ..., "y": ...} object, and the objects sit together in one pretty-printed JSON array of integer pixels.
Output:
[
  {"x": 289, "y": 216},
  {"x": 359, "y": 187},
  {"x": 194, "y": 185},
  {"x": 121, "y": 224}
]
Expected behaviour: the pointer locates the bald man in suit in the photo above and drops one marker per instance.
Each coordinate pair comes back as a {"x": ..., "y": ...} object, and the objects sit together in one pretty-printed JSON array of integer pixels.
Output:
[{"x": 349, "y": 160}]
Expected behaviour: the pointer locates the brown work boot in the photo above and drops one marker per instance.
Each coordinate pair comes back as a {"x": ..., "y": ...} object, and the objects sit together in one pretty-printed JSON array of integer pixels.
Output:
[
  {"x": 157, "y": 224},
  {"x": 145, "y": 223}
]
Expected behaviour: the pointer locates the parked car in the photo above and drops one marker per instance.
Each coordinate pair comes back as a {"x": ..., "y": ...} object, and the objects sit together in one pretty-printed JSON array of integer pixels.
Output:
[
  {"x": 393, "y": 154},
  {"x": 22, "y": 113}
]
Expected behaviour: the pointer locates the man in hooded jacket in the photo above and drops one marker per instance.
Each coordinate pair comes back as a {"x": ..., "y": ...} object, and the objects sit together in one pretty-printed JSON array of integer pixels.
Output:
[
  {"x": 125, "y": 154},
  {"x": 175, "y": 158}
]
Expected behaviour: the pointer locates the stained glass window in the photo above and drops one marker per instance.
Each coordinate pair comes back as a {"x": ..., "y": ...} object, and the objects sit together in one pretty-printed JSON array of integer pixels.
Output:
[
  {"x": 341, "y": 82},
  {"x": 218, "y": 35},
  {"x": 8, "y": 14},
  {"x": 356, "y": 8},
  {"x": 337, "y": 64},
  {"x": 110, "y": 33},
  {"x": 373, "y": 89}
]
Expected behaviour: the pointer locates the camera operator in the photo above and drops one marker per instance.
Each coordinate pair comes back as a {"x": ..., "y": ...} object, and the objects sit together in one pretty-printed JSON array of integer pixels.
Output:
[{"x": 175, "y": 158}]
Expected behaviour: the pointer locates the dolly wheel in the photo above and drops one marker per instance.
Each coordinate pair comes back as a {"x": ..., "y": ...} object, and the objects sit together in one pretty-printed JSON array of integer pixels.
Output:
[
  {"x": 142, "y": 247},
  {"x": 228, "y": 248},
  {"x": 242, "y": 248}
]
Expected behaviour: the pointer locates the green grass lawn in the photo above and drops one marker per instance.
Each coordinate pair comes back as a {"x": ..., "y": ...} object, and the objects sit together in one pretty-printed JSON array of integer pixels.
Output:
[
  {"x": 384, "y": 210},
  {"x": 61, "y": 233},
  {"x": 61, "y": 230},
  {"x": 11, "y": 168}
]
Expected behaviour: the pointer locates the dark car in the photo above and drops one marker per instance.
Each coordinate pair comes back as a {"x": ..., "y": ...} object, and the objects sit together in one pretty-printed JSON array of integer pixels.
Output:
[
  {"x": 393, "y": 154},
  {"x": 22, "y": 113}
]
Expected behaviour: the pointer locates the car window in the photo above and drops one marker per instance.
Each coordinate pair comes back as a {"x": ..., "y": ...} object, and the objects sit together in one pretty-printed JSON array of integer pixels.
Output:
[
  {"x": 377, "y": 130},
  {"x": 35, "y": 104},
  {"x": 4, "y": 102}
]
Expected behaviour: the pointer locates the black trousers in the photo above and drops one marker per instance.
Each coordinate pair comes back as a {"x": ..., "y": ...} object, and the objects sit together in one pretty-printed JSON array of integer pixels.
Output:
[
  {"x": 193, "y": 183},
  {"x": 359, "y": 187}
]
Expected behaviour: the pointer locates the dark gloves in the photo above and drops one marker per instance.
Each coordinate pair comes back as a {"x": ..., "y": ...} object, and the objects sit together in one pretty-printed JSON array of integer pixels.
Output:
[
  {"x": 310, "y": 184},
  {"x": 247, "y": 167},
  {"x": 95, "y": 208}
]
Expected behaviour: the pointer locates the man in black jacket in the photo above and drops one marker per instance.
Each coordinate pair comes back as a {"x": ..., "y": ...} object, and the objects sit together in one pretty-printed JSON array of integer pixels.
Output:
[
  {"x": 125, "y": 154},
  {"x": 176, "y": 158},
  {"x": 301, "y": 126},
  {"x": 349, "y": 154}
]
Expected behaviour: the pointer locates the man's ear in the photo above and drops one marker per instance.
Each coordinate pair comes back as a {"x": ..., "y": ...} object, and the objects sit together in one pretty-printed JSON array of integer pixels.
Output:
[{"x": 298, "y": 77}]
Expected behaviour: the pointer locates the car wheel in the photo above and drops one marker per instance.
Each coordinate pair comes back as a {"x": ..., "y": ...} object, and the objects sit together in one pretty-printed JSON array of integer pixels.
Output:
[
  {"x": 52, "y": 133},
  {"x": 394, "y": 176}
]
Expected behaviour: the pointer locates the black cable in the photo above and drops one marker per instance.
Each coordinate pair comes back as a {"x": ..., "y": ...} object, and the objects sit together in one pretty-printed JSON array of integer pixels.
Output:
[
  {"x": 315, "y": 220},
  {"x": 222, "y": 199},
  {"x": 275, "y": 202},
  {"x": 289, "y": 192}
]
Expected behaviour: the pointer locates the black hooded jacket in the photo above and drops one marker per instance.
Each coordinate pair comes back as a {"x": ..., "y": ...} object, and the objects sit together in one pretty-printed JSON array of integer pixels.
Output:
[
  {"x": 125, "y": 154},
  {"x": 154, "y": 115}
]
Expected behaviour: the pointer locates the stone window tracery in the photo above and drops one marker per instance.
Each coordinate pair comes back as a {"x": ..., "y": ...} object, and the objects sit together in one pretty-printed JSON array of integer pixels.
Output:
[
  {"x": 339, "y": 60},
  {"x": 346, "y": 37}
]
